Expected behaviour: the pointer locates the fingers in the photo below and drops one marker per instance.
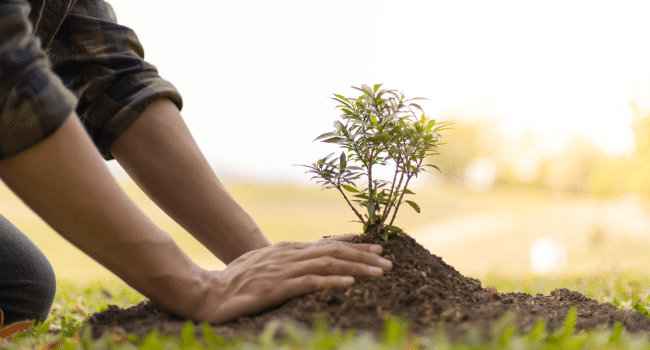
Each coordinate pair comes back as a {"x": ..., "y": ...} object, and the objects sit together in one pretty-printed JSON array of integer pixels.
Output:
[
  {"x": 364, "y": 253},
  {"x": 355, "y": 252},
  {"x": 374, "y": 248},
  {"x": 290, "y": 288},
  {"x": 329, "y": 266}
]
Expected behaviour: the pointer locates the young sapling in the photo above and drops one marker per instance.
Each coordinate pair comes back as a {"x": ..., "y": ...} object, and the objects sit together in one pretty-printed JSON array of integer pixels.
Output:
[{"x": 380, "y": 127}]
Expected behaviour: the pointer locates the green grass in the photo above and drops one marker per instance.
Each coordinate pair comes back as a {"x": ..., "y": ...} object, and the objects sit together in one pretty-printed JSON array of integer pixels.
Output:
[{"x": 75, "y": 301}]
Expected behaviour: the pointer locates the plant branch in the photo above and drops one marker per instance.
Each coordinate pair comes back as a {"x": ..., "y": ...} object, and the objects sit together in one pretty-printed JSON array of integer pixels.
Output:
[
  {"x": 408, "y": 178},
  {"x": 350, "y": 204},
  {"x": 390, "y": 194},
  {"x": 396, "y": 203},
  {"x": 400, "y": 201}
]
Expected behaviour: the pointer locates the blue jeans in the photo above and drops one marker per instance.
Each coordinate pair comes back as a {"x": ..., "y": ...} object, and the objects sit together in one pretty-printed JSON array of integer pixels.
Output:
[{"x": 27, "y": 283}]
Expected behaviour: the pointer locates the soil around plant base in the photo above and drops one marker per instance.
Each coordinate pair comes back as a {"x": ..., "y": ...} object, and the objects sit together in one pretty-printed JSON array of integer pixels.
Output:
[{"x": 421, "y": 288}]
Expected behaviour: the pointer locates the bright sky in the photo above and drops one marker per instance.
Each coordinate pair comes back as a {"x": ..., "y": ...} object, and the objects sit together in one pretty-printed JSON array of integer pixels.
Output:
[{"x": 256, "y": 75}]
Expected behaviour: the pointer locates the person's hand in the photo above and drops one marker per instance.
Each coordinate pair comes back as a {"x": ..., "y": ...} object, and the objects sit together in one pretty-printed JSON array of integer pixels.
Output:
[{"x": 266, "y": 277}]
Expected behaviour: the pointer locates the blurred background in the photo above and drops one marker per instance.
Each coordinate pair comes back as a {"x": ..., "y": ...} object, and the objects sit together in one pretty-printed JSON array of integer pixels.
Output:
[{"x": 545, "y": 171}]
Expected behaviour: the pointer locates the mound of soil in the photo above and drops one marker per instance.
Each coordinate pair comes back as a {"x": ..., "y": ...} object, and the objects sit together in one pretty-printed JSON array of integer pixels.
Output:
[{"x": 421, "y": 288}]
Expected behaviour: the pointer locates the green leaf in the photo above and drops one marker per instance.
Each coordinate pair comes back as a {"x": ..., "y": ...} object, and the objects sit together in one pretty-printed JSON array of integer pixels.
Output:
[
  {"x": 407, "y": 191},
  {"x": 342, "y": 105},
  {"x": 506, "y": 336},
  {"x": 569, "y": 323},
  {"x": 616, "y": 334},
  {"x": 187, "y": 335},
  {"x": 387, "y": 119},
  {"x": 214, "y": 341},
  {"x": 642, "y": 309},
  {"x": 414, "y": 205},
  {"x": 325, "y": 135},
  {"x": 341, "y": 99},
  {"x": 343, "y": 162},
  {"x": 334, "y": 140},
  {"x": 365, "y": 89},
  {"x": 373, "y": 119},
  {"x": 538, "y": 331},
  {"x": 433, "y": 166},
  {"x": 395, "y": 329},
  {"x": 349, "y": 188},
  {"x": 347, "y": 111},
  {"x": 430, "y": 125}
]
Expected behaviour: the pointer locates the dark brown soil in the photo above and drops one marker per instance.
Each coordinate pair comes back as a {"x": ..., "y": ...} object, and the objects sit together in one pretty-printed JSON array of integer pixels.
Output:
[{"x": 421, "y": 288}]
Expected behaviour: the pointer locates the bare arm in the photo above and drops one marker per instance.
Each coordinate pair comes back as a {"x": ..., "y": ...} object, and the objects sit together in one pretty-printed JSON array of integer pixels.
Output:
[
  {"x": 159, "y": 153},
  {"x": 64, "y": 180}
]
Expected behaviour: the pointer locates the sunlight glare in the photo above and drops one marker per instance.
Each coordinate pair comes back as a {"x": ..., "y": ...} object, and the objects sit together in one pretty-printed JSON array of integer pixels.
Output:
[{"x": 547, "y": 256}]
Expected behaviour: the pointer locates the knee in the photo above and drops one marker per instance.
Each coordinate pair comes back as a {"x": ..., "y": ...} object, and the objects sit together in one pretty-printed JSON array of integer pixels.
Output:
[
  {"x": 43, "y": 292},
  {"x": 29, "y": 294},
  {"x": 27, "y": 281}
]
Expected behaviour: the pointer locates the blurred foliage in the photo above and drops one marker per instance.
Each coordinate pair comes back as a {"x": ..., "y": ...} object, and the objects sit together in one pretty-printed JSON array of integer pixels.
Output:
[
  {"x": 613, "y": 176},
  {"x": 520, "y": 159}
]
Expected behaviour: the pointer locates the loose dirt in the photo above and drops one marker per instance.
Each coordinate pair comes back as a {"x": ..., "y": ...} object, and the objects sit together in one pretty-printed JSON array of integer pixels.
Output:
[{"x": 420, "y": 288}]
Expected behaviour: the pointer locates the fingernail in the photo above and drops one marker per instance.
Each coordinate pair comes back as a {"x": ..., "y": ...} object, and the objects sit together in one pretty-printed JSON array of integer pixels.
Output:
[
  {"x": 385, "y": 263},
  {"x": 376, "y": 249},
  {"x": 375, "y": 271}
]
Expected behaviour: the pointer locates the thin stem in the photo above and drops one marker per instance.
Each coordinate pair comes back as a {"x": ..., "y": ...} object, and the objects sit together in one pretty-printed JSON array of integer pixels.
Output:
[
  {"x": 402, "y": 195},
  {"x": 390, "y": 195},
  {"x": 400, "y": 201},
  {"x": 370, "y": 190},
  {"x": 350, "y": 204},
  {"x": 399, "y": 185}
]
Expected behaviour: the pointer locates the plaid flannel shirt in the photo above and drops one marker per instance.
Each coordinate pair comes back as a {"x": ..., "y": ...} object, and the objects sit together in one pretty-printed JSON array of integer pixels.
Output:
[{"x": 57, "y": 56}]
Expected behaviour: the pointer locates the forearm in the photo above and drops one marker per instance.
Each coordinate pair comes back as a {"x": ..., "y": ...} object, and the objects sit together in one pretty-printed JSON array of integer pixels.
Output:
[
  {"x": 63, "y": 179},
  {"x": 159, "y": 153}
]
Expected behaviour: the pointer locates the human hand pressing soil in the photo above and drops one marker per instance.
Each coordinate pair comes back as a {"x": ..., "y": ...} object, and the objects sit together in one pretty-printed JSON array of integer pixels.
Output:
[{"x": 268, "y": 276}]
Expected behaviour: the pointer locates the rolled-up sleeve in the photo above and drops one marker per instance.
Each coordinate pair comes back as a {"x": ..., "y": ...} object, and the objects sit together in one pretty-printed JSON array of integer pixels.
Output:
[
  {"x": 33, "y": 100},
  {"x": 102, "y": 62}
]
